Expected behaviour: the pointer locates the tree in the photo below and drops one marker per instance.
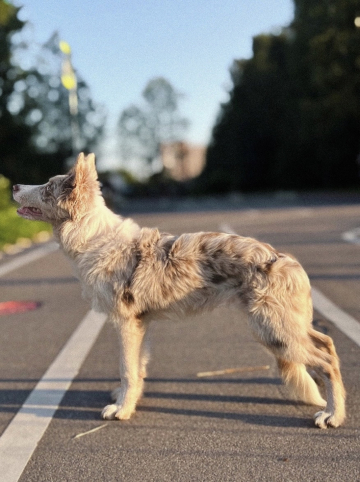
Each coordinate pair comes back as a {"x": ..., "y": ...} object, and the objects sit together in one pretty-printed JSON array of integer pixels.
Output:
[
  {"x": 293, "y": 118},
  {"x": 245, "y": 138},
  {"x": 14, "y": 133},
  {"x": 49, "y": 114},
  {"x": 35, "y": 123},
  {"x": 142, "y": 129},
  {"x": 329, "y": 44}
]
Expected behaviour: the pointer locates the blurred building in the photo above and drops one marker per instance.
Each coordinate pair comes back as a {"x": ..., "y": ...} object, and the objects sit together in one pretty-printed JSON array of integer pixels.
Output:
[{"x": 183, "y": 161}]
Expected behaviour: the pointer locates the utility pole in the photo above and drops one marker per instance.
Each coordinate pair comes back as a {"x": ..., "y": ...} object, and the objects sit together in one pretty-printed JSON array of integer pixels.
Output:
[{"x": 69, "y": 81}]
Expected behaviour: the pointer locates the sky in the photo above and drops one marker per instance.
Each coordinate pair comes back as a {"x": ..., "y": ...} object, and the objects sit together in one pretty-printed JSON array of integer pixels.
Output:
[{"x": 119, "y": 45}]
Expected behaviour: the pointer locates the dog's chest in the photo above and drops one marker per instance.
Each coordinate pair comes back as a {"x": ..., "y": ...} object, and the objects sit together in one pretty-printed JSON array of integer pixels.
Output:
[{"x": 104, "y": 277}]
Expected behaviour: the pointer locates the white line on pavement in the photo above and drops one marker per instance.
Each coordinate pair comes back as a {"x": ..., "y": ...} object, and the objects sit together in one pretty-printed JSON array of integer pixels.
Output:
[
  {"x": 352, "y": 236},
  {"x": 342, "y": 320},
  {"x": 346, "y": 323},
  {"x": 27, "y": 258},
  {"x": 226, "y": 228},
  {"x": 26, "y": 429}
]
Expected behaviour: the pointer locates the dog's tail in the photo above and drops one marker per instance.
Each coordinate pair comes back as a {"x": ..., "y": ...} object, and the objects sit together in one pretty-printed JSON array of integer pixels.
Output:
[{"x": 300, "y": 383}]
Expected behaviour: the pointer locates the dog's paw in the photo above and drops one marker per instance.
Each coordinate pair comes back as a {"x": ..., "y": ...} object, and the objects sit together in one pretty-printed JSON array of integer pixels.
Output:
[
  {"x": 114, "y": 394},
  {"x": 325, "y": 419},
  {"x": 113, "y": 411}
]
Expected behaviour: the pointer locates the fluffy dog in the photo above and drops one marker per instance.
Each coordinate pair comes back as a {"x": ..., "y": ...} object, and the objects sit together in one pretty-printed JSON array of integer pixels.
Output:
[{"x": 136, "y": 275}]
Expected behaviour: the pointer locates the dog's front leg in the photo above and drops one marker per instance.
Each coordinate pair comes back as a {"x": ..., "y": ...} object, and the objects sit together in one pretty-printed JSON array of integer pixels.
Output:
[{"x": 131, "y": 334}]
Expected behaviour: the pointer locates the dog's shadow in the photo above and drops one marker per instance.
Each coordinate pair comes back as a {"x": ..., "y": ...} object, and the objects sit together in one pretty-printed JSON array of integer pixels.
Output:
[
  {"x": 86, "y": 404},
  {"x": 251, "y": 418}
]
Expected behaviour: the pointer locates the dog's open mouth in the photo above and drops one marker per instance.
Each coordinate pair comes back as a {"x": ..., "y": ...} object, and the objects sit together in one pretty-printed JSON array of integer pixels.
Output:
[{"x": 29, "y": 212}]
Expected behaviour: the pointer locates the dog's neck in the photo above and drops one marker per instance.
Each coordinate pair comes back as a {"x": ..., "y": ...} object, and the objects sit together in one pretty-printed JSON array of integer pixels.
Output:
[{"x": 92, "y": 229}]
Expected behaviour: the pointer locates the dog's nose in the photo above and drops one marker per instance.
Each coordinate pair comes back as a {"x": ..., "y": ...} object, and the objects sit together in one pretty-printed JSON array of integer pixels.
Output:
[{"x": 16, "y": 187}]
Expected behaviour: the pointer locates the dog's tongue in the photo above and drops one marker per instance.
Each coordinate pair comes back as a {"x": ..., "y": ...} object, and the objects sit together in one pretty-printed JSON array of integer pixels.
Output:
[
  {"x": 26, "y": 210},
  {"x": 23, "y": 211}
]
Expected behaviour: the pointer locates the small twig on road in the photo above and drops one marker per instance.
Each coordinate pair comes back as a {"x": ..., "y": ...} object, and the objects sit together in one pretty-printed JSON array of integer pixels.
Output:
[
  {"x": 89, "y": 431},
  {"x": 232, "y": 370}
]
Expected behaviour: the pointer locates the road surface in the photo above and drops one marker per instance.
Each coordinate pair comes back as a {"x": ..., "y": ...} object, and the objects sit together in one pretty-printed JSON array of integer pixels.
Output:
[{"x": 233, "y": 427}]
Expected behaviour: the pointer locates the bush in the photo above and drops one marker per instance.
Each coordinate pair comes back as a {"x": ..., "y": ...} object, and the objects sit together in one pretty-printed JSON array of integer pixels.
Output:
[
  {"x": 12, "y": 226},
  {"x": 4, "y": 192}
]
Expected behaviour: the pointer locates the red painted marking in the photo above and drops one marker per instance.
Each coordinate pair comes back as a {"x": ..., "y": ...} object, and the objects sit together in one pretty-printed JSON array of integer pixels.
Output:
[{"x": 10, "y": 307}]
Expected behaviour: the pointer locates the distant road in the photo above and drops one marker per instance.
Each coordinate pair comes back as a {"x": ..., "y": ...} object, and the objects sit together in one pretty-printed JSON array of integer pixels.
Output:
[
  {"x": 241, "y": 426},
  {"x": 238, "y": 201}
]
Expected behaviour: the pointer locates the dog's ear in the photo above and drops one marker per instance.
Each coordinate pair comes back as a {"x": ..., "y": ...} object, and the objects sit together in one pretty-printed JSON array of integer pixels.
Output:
[
  {"x": 85, "y": 170},
  {"x": 69, "y": 183},
  {"x": 85, "y": 161},
  {"x": 90, "y": 160},
  {"x": 67, "y": 188},
  {"x": 81, "y": 186}
]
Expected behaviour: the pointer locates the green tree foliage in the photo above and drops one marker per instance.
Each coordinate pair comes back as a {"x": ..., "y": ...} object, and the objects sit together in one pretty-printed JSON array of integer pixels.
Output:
[
  {"x": 47, "y": 112},
  {"x": 142, "y": 129},
  {"x": 14, "y": 133},
  {"x": 293, "y": 117},
  {"x": 330, "y": 105},
  {"x": 35, "y": 123}
]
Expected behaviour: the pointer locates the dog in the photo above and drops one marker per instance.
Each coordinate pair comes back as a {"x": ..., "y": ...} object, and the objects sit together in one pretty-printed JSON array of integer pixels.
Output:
[{"x": 136, "y": 275}]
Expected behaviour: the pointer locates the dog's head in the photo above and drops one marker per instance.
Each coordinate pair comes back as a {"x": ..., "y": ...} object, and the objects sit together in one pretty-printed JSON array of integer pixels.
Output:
[{"x": 64, "y": 197}]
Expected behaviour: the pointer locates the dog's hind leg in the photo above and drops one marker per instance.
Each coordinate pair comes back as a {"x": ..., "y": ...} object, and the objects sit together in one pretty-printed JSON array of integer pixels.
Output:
[
  {"x": 324, "y": 360},
  {"x": 131, "y": 338},
  {"x": 300, "y": 383},
  {"x": 318, "y": 353},
  {"x": 301, "y": 347}
]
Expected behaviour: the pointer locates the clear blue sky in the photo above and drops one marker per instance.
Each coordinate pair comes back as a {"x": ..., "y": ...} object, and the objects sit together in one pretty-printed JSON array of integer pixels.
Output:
[{"x": 118, "y": 45}]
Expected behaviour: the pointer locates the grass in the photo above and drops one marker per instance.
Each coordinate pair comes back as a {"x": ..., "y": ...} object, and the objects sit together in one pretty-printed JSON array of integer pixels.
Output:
[{"x": 13, "y": 228}]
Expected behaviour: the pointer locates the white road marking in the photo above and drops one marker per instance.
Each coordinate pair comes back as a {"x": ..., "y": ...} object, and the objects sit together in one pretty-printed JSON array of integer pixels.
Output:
[
  {"x": 20, "y": 439},
  {"x": 27, "y": 258},
  {"x": 352, "y": 236},
  {"x": 342, "y": 320},
  {"x": 226, "y": 228}
]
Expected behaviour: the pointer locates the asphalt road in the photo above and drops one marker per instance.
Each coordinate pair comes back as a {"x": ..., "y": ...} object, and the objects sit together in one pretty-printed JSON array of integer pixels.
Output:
[{"x": 238, "y": 427}]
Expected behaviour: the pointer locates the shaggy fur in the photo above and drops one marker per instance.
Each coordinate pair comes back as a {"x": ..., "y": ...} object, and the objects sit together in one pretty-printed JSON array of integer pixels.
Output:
[{"x": 136, "y": 275}]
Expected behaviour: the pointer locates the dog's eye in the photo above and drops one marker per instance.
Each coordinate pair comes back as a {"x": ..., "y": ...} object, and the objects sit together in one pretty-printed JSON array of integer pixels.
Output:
[{"x": 48, "y": 188}]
